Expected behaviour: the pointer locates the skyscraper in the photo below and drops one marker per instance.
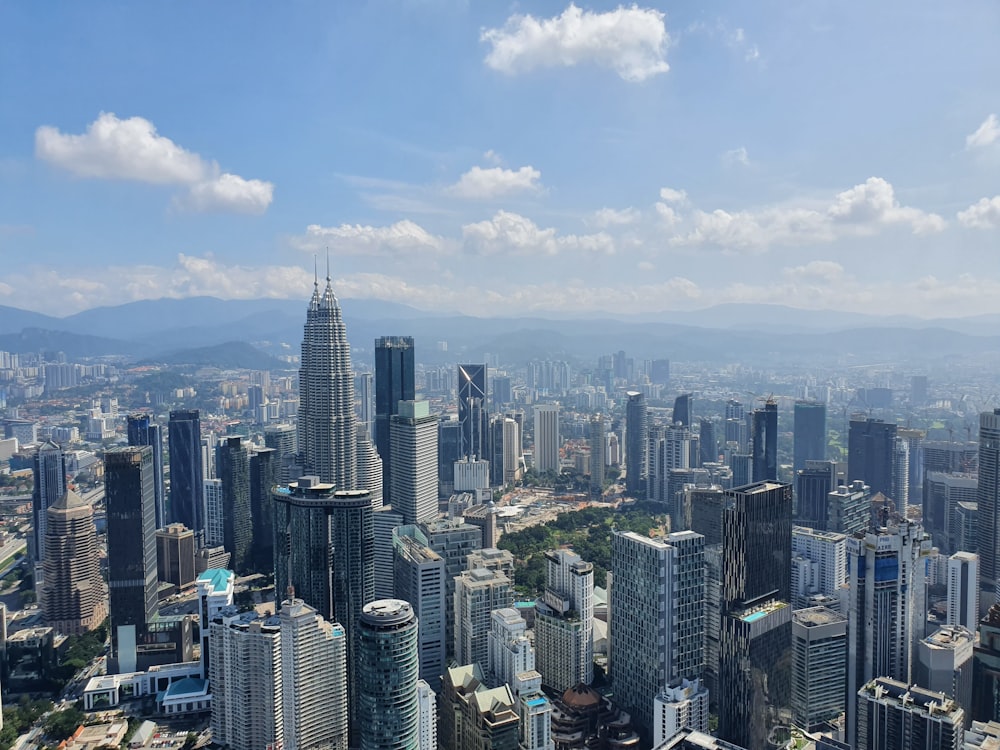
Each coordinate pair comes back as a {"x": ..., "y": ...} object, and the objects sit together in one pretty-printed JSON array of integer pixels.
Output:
[
  {"x": 809, "y": 437},
  {"x": 281, "y": 437},
  {"x": 564, "y": 622},
  {"x": 896, "y": 716},
  {"x": 636, "y": 444},
  {"x": 963, "y": 590},
  {"x": 819, "y": 674},
  {"x": 477, "y": 593},
  {"x": 813, "y": 483},
  {"x": 263, "y": 472},
  {"x": 413, "y": 434},
  {"x": 394, "y": 382},
  {"x": 871, "y": 449},
  {"x": 598, "y": 440},
  {"x": 233, "y": 465},
  {"x": 49, "y": 469},
  {"x": 388, "y": 669},
  {"x": 186, "y": 472},
  {"x": 988, "y": 499},
  {"x": 547, "y": 438},
  {"x": 419, "y": 579},
  {"x": 131, "y": 519},
  {"x": 74, "y": 598},
  {"x": 142, "y": 430},
  {"x": 684, "y": 409},
  {"x": 472, "y": 414},
  {"x": 764, "y": 443},
  {"x": 327, "y": 438}
]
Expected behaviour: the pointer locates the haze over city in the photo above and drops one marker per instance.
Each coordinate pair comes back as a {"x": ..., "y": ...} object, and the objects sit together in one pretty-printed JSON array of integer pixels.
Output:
[{"x": 504, "y": 159}]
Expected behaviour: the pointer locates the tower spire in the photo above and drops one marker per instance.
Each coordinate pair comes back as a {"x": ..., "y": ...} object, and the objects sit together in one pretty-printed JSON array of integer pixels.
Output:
[
  {"x": 328, "y": 265},
  {"x": 315, "y": 271}
]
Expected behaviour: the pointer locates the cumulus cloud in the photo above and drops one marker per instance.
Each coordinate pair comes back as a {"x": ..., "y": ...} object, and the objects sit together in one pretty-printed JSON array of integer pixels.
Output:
[
  {"x": 874, "y": 202},
  {"x": 131, "y": 149},
  {"x": 984, "y": 214},
  {"x": 509, "y": 233},
  {"x": 822, "y": 270},
  {"x": 403, "y": 237},
  {"x": 986, "y": 134},
  {"x": 494, "y": 182},
  {"x": 670, "y": 195},
  {"x": 632, "y": 41},
  {"x": 736, "y": 156},
  {"x": 609, "y": 217}
]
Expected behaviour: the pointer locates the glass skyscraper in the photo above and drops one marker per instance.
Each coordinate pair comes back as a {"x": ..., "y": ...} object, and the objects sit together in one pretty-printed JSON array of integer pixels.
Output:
[
  {"x": 186, "y": 472},
  {"x": 394, "y": 382},
  {"x": 142, "y": 430}
]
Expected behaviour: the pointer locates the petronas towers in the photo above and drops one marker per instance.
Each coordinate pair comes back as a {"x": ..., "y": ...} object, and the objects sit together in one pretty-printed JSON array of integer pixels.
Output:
[{"x": 326, "y": 430}]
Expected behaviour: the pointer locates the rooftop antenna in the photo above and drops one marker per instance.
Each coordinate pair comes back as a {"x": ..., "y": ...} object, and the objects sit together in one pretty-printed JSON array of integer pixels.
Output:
[
  {"x": 328, "y": 264},
  {"x": 315, "y": 271}
]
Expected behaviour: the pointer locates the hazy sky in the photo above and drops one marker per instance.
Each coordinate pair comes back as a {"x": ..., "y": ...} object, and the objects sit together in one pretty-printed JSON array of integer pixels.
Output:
[{"x": 504, "y": 158}]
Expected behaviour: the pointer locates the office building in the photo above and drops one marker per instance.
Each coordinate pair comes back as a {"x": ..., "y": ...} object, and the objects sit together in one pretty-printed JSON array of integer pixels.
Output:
[
  {"x": 394, "y": 382},
  {"x": 388, "y": 710},
  {"x": 764, "y": 442},
  {"x": 809, "y": 436},
  {"x": 449, "y": 438},
  {"x": 233, "y": 465},
  {"x": 143, "y": 430},
  {"x": 547, "y": 439},
  {"x": 385, "y": 522},
  {"x": 895, "y": 716},
  {"x": 313, "y": 679},
  {"x": 473, "y": 418},
  {"x": 413, "y": 434},
  {"x": 327, "y": 439},
  {"x": 420, "y": 580},
  {"x": 871, "y": 452},
  {"x": 813, "y": 485},
  {"x": 564, "y": 622},
  {"x": 636, "y": 444},
  {"x": 175, "y": 550},
  {"x": 683, "y": 413},
  {"x": 757, "y": 539},
  {"x": 848, "y": 508},
  {"x": 885, "y": 607},
  {"x": 944, "y": 664},
  {"x": 74, "y": 598},
  {"x": 282, "y": 439},
  {"x": 988, "y": 498},
  {"x": 131, "y": 524},
  {"x": 656, "y": 616},
  {"x": 818, "y": 566},
  {"x": 982, "y": 735},
  {"x": 819, "y": 666},
  {"x": 49, "y": 474},
  {"x": 245, "y": 677},
  {"x": 215, "y": 588},
  {"x": 942, "y": 494},
  {"x": 684, "y": 705},
  {"x": 263, "y": 478},
  {"x": 364, "y": 400},
  {"x": 186, "y": 471},
  {"x": 963, "y": 590}
]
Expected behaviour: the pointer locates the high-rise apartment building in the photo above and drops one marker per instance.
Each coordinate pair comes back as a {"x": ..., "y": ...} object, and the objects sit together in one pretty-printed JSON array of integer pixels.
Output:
[
  {"x": 886, "y": 607},
  {"x": 394, "y": 382},
  {"x": 233, "y": 466},
  {"x": 564, "y": 622},
  {"x": 963, "y": 590},
  {"x": 186, "y": 471},
  {"x": 74, "y": 597},
  {"x": 413, "y": 434},
  {"x": 942, "y": 492},
  {"x": 636, "y": 444},
  {"x": 819, "y": 566},
  {"x": 131, "y": 520},
  {"x": 370, "y": 467},
  {"x": 871, "y": 454},
  {"x": 684, "y": 705},
  {"x": 477, "y": 593},
  {"x": 895, "y": 716},
  {"x": 143, "y": 430},
  {"x": 281, "y": 438},
  {"x": 473, "y": 418},
  {"x": 327, "y": 438},
  {"x": 547, "y": 438},
  {"x": 848, "y": 508},
  {"x": 388, "y": 710},
  {"x": 988, "y": 499},
  {"x": 656, "y": 607},
  {"x": 49, "y": 470},
  {"x": 598, "y": 454},
  {"x": 809, "y": 436},
  {"x": 819, "y": 666},
  {"x": 420, "y": 580}
]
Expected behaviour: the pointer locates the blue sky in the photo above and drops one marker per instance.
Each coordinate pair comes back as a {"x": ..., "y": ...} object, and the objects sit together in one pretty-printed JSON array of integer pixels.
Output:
[{"x": 504, "y": 158}]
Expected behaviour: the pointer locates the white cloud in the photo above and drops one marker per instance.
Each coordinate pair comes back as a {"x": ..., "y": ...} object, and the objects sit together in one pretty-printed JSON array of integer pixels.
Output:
[
  {"x": 670, "y": 195},
  {"x": 986, "y": 134},
  {"x": 632, "y": 41},
  {"x": 874, "y": 202},
  {"x": 493, "y": 182},
  {"x": 736, "y": 156},
  {"x": 821, "y": 270},
  {"x": 492, "y": 157},
  {"x": 609, "y": 217},
  {"x": 984, "y": 214},
  {"x": 667, "y": 214},
  {"x": 512, "y": 234},
  {"x": 132, "y": 149},
  {"x": 748, "y": 230},
  {"x": 403, "y": 237}
]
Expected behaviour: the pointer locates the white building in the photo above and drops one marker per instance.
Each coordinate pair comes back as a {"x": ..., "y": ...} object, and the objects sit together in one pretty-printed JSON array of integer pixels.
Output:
[
  {"x": 963, "y": 590},
  {"x": 413, "y": 436},
  {"x": 472, "y": 475},
  {"x": 677, "y": 707},
  {"x": 546, "y": 455},
  {"x": 564, "y": 622},
  {"x": 215, "y": 592},
  {"x": 510, "y": 650},
  {"x": 427, "y": 705},
  {"x": 477, "y": 593},
  {"x": 819, "y": 565},
  {"x": 369, "y": 466}
]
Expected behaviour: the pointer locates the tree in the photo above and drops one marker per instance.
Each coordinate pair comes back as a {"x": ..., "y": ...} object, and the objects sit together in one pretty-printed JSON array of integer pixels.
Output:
[{"x": 60, "y": 725}]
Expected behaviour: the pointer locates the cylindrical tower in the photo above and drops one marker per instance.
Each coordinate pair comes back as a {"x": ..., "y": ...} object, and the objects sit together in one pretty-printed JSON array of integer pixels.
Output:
[{"x": 387, "y": 673}]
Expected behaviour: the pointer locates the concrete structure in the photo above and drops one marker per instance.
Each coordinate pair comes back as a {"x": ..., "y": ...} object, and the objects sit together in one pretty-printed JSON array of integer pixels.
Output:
[
  {"x": 420, "y": 580},
  {"x": 944, "y": 664},
  {"x": 963, "y": 590},
  {"x": 893, "y": 716},
  {"x": 598, "y": 454},
  {"x": 385, "y": 522},
  {"x": 819, "y": 666},
  {"x": 848, "y": 508},
  {"x": 988, "y": 499},
  {"x": 175, "y": 549},
  {"x": 413, "y": 437},
  {"x": 214, "y": 533},
  {"x": 473, "y": 418},
  {"x": 818, "y": 566},
  {"x": 564, "y": 622},
  {"x": 684, "y": 705},
  {"x": 215, "y": 589},
  {"x": 547, "y": 440}
]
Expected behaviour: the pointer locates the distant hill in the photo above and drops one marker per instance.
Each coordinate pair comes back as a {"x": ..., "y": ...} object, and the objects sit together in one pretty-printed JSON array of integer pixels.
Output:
[
  {"x": 231, "y": 355},
  {"x": 13, "y": 320},
  {"x": 73, "y": 344}
]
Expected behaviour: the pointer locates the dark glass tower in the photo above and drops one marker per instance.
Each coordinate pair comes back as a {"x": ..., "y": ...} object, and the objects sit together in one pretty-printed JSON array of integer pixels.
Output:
[
  {"x": 472, "y": 416},
  {"x": 394, "y": 382},
  {"x": 132, "y": 579},
  {"x": 809, "y": 441},
  {"x": 327, "y": 438},
  {"x": 49, "y": 469},
  {"x": 757, "y": 537},
  {"x": 683, "y": 409},
  {"x": 813, "y": 484},
  {"x": 636, "y": 444},
  {"x": 709, "y": 446},
  {"x": 142, "y": 430},
  {"x": 233, "y": 467},
  {"x": 764, "y": 447},
  {"x": 186, "y": 475},
  {"x": 263, "y": 477},
  {"x": 988, "y": 498},
  {"x": 871, "y": 449}
]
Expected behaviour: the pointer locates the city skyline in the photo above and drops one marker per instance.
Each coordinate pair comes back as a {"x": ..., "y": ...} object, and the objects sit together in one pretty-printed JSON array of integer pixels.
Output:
[{"x": 671, "y": 158}]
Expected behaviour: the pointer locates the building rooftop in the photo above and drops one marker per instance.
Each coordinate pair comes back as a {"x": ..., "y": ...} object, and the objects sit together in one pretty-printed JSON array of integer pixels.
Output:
[
  {"x": 950, "y": 637},
  {"x": 816, "y": 616},
  {"x": 219, "y": 578}
]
